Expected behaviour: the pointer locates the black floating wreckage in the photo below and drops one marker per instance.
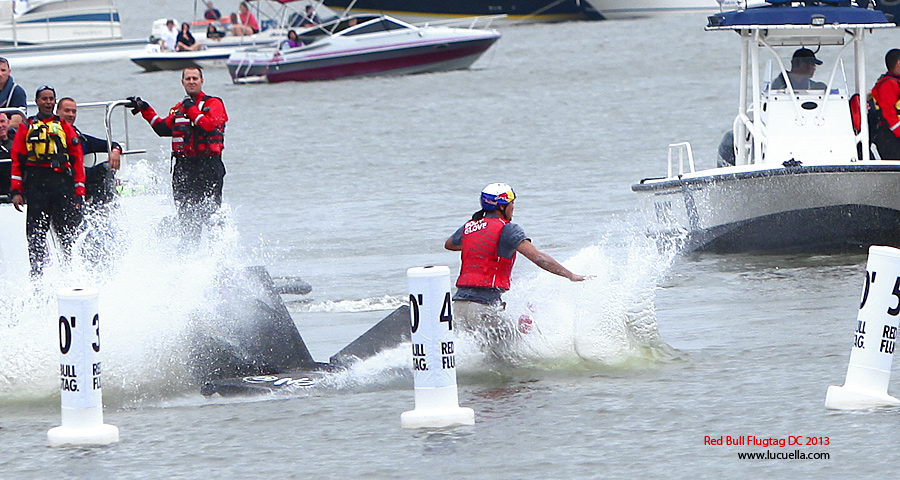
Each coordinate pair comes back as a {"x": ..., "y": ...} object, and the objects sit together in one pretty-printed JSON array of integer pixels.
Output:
[{"x": 255, "y": 347}]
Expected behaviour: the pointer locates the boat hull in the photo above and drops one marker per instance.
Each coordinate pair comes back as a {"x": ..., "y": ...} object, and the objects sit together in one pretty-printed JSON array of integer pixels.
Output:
[
  {"x": 519, "y": 11},
  {"x": 154, "y": 62},
  {"x": 806, "y": 209},
  {"x": 429, "y": 57},
  {"x": 616, "y": 9}
]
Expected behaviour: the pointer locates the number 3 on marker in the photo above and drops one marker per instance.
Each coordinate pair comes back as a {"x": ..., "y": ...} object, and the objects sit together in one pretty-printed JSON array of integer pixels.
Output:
[{"x": 96, "y": 345}]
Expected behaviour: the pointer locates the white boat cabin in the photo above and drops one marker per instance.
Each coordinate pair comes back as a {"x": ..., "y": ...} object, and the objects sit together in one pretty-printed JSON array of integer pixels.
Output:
[{"x": 778, "y": 126}]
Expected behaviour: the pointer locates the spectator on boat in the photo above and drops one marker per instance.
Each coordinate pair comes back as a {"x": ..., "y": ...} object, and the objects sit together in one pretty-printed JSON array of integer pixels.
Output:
[
  {"x": 292, "y": 41},
  {"x": 803, "y": 67},
  {"x": 310, "y": 19},
  {"x": 168, "y": 41},
  {"x": 11, "y": 95},
  {"x": 489, "y": 243},
  {"x": 886, "y": 96},
  {"x": 214, "y": 33},
  {"x": 47, "y": 174},
  {"x": 197, "y": 127},
  {"x": 99, "y": 183},
  {"x": 211, "y": 13},
  {"x": 246, "y": 23},
  {"x": 185, "y": 40}
]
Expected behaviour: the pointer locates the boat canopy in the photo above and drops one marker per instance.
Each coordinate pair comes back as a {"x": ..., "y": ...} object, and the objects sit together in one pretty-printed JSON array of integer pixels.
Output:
[
  {"x": 786, "y": 15},
  {"x": 811, "y": 125}
]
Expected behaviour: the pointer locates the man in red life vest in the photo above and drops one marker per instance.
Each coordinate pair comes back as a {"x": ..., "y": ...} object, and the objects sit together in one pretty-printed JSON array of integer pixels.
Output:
[
  {"x": 489, "y": 243},
  {"x": 197, "y": 127},
  {"x": 47, "y": 174},
  {"x": 886, "y": 94}
]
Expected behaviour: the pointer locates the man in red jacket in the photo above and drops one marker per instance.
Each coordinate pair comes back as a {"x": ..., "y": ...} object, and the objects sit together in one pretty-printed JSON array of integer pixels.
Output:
[
  {"x": 47, "y": 174},
  {"x": 489, "y": 243},
  {"x": 197, "y": 127},
  {"x": 886, "y": 94}
]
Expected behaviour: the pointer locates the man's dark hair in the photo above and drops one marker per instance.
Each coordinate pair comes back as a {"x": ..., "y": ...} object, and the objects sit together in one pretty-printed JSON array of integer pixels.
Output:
[{"x": 891, "y": 58}]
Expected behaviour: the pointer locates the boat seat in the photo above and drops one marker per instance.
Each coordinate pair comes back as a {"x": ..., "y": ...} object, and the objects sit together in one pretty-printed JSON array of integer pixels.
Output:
[{"x": 800, "y": 131}]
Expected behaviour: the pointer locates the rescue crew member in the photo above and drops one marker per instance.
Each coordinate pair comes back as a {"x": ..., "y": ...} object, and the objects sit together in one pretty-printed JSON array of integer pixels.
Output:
[
  {"x": 48, "y": 175},
  {"x": 6, "y": 138},
  {"x": 197, "y": 127},
  {"x": 803, "y": 67},
  {"x": 886, "y": 96},
  {"x": 489, "y": 243},
  {"x": 11, "y": 95},
  {"x": 99, "y": 172}
]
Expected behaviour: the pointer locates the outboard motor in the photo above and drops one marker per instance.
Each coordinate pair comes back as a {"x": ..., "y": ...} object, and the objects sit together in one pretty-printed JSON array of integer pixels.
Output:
[{"x": 726, "y": 150}]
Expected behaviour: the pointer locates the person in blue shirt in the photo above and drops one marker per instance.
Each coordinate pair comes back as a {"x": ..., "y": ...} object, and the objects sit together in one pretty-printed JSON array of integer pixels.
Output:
[{"x": 11, "y": 95}]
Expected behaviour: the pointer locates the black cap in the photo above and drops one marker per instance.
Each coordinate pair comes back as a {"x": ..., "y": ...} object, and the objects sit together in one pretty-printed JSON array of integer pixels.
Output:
[{"x": 807, "y": 55}]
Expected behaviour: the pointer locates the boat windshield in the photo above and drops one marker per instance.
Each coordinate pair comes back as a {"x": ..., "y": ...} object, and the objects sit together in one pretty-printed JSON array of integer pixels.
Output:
[
  {"x": 773, "y": 78},
  {"x": 382, "y": 25},
  {"x": 352, "y": 25}
]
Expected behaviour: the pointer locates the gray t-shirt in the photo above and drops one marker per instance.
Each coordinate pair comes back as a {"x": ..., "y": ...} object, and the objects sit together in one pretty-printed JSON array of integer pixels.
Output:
[
  {"x": 803, "y": 83},
  {"x": 510, "y": 238}
]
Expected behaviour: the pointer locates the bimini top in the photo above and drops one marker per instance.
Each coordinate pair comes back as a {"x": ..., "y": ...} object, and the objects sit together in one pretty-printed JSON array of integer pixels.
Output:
[{"x": 792, "y": 15}]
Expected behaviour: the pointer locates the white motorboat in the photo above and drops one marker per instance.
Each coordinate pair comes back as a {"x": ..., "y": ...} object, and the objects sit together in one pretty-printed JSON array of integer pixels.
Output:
[
  {"x": 38, "y": 33},
  {"x": 617, "y": 9},
  {"x": 30, "y": 22},
  {"x": 276, "y": 17},
  {"x": 365, "y": 45},
  {"x": 513, "y": 11},
  {"x": 802, "y": 176}
]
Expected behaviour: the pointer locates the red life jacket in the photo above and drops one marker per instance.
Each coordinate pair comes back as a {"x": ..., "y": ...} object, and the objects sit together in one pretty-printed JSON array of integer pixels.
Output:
[
  {"x": 482, "y": 266},
  {"x": 887, "y": 77},
  {"x": 189, "y": 140}
]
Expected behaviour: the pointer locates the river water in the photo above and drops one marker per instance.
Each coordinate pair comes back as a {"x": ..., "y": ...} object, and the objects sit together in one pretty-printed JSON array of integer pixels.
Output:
[{"x": 350, "y": 183}]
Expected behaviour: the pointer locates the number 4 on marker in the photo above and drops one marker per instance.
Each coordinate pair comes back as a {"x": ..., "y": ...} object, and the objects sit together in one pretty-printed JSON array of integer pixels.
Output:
[{"x": 446, "y": 312}]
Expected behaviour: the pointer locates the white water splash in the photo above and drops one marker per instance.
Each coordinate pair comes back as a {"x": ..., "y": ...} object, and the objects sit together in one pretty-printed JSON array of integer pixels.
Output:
[
  {"x": 152, "y": 294},
  {"x": 373, "y": 304}
]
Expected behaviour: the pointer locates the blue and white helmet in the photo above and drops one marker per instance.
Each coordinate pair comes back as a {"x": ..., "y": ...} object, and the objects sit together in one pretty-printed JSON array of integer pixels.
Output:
[{"x": 496, "y": 194}]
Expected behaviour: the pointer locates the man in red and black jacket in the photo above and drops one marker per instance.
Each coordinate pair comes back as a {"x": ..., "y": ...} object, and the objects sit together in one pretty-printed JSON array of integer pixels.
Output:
[
  {"x": 197, "y": 127},
  {"x": 886, "y": 94},
  {"x": 47, "y": 174}
]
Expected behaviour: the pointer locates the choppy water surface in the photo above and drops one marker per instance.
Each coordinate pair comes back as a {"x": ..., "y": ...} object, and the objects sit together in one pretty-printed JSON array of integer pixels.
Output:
[{"x": 349, "y": 183}]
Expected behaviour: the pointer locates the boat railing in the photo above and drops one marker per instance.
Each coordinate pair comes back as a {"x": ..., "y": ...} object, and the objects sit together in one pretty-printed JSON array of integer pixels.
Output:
[
  {"x": 469, "y": 22},
  {"x": 683, "y": 148},
  {"x": 109, "y": 107},
  {"x": 12, "y": 110}
]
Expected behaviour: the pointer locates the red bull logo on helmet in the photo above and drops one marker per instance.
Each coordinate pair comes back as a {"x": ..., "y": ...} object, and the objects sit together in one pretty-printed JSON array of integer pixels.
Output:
[{"x": 496, "y": 194}]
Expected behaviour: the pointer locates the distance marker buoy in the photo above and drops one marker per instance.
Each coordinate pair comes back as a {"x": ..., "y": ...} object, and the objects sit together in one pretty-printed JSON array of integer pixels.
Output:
[
  {"x": 79, "y": 372},
  {"x": 874, "y": 337},
  {"x": 433, "y": 357}
]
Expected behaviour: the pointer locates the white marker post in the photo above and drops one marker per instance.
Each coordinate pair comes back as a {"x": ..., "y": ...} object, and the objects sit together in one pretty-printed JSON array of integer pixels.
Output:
[
  {"x": 79, "y": 372},
  {"x": 872, "y": 353},
  {"x": 433, "y": 358}
]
